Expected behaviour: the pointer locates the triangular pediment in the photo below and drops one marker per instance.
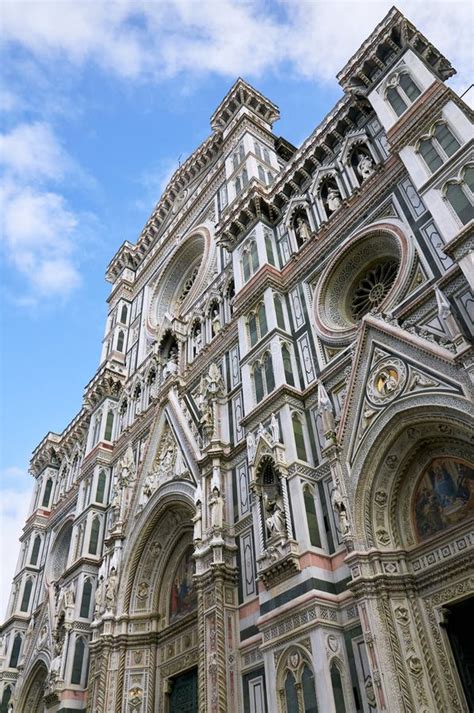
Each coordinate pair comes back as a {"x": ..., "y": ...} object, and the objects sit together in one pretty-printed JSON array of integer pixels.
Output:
[
  {"x": 390, "y": 365},
  {"x": 171, "y": 454}
]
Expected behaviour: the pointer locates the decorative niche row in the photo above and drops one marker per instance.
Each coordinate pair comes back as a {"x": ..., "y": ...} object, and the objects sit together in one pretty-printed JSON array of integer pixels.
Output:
[{"x": 331, "y": 186}]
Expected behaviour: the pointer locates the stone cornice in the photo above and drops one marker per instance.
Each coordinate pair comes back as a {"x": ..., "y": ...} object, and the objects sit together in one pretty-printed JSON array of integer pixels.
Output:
[
  {"x": 241, "y": 95},
  {"x": 382, "y": 48},
  {"x": 55, "y": 446},
  {"x": 462, "y": 244},
  {"x": 107, "y": 382}
]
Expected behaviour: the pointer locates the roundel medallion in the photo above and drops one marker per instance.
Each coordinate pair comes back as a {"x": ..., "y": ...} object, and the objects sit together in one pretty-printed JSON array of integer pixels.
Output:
[{"x": 386, "y": 380}]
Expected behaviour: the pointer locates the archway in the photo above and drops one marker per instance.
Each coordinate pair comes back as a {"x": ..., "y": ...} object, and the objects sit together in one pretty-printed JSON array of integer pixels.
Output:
[
  {"x": 32, "y": 698},
  {"x": 158, "y": 593},
  {"x": 413, "y": 507}
]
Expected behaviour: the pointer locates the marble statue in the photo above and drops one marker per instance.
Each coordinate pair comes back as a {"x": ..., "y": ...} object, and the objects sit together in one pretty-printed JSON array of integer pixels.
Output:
[
  {"x": 302, "y": 228},
  {"x": 111, "y": 589},
  {"x": 334, "y": 199},
  {"x": 274, "y": 515},
  {"x": 365, "y": 166}
]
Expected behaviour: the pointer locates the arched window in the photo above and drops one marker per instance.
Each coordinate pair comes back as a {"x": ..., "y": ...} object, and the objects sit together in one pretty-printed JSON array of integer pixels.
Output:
[
  {"x": 124, "y": 314},
  {"x": 401, "y": 92},
  {"x": 241, "y": 181},
  {"x": 438, "y": 146},
  {"x": 246, "y": 265},
  {"x": 47, "y": 493},
  {"x": 258, "y": 378},
  {"x": 269, "y": 377},
  {"x": 291, "y": 695},
  {"x": 280, "y": 315},
  {"x": 338, "y": 693},
  {"x": 35, "y": 550},
  {"x": 261, "y": 174},
  {"x": 109, "y": 426},
  {"x": 257, "y": 324},
  {"x": 264, "y": 379},
  {"x": 395, "y": 100},
  {"x": 100, "y": 492},
  {"x": 97, "y": 425},
  {"x": 6, "y": 696},
  {"x": 25, "y": 601},
  {"x": 311, "y": 517},
  {"x": 269, "y": 248},
  {"x": 120, "y": 341},
  {"x": 86, "y": 599},
  {"x": 309, "y": 691},
  {"x": 254, "y": 256},
  {"x": 15, "y": 654},
  {"x": 94, "y": 536},
  {"x": 409, "y": 87},
  {"x": 78, "y": 661},
  {"x": 430, "y": 155},
  {"x": 460, "y": 195},
  {"x": 287, "y": 365},
  {"x": 446, "y": 139},
  {"x": 299, "y": 437}
]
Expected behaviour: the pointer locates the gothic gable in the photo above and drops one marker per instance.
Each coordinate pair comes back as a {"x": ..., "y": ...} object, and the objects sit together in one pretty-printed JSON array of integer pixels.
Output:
[{"x": 389, "y": 366}]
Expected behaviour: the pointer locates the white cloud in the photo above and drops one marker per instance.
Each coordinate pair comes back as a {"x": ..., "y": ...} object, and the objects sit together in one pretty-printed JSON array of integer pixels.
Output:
[
  {"x": 140, "y": 39},
  {"x": 38, "y": 236},
  {"x": 14, "y": 506},
  {"x": 39, "y": 230},
  {"x": 32, "y": 151}
]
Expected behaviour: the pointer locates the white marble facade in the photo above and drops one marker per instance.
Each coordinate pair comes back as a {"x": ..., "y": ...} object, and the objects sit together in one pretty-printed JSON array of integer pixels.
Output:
[{"x": 265, "y": 503}]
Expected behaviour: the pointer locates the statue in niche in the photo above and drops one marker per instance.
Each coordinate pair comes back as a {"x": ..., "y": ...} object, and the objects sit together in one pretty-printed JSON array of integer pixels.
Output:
[
  {"x": 197, "y": 521},
  {"x": 171, "y": 366},
  {"x": 275, "y": 520},
  {"x": 302, "y": 230},
  {"x": 99, "y": 597},
  {"x": 197, "y": 340},
  {"x": 69, "y": 602},
  {"x": 210, "y": 388},
  {"x": 334, "y": 199},
  {"x": 340, "y": 508},
  {"x": 216, "y": 503},
  {"x": 251, "y": 447},
  {"x": 126, "y": 468},
  {"x": 111, "y": 589},
  {"x": 215, "y": 320},
  {"x": 364, "y": 166},
  {"x": 275, "y": 428},
  {"x": 55, "y": 666}
]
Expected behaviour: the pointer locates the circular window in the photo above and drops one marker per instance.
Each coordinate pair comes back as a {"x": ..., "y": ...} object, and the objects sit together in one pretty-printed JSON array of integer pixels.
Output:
[
  {"x": 373, "y": 287},
  {"x": 178, "y": 280},
  {"x": 366, "y": 276}
]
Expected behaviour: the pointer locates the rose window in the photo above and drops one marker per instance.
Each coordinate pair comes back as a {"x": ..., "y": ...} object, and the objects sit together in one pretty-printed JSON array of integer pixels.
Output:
[
  {"x": 188, "y": 283},
  {"x": 373, "y": 288},
  {"x": 369, "y": 274}
]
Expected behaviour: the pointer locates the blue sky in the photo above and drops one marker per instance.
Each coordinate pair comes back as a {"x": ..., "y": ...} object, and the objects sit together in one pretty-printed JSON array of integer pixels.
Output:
[{"x": 99, "y": 101}]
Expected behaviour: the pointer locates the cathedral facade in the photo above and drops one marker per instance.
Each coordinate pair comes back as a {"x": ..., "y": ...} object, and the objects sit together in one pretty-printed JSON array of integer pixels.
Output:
[{"x": 265, "y": 502}]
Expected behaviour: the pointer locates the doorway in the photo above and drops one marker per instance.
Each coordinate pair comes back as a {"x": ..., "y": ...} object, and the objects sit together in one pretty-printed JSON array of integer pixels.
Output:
[
  {"x": 462, "y": 645},
  {"x": 183, "y": 697}
]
